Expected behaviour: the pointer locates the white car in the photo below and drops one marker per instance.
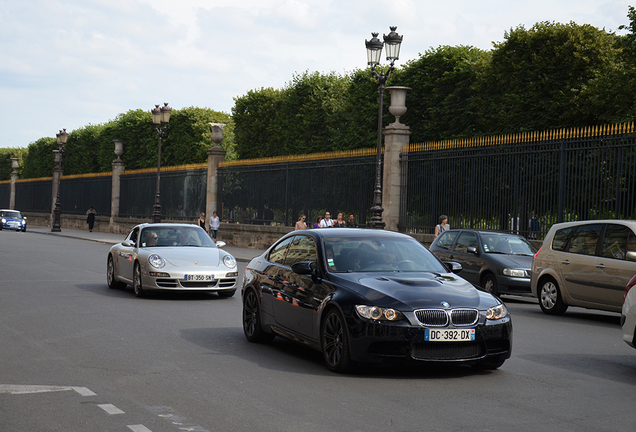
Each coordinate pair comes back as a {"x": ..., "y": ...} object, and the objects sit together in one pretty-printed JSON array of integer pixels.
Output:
[
  {"x": 177, "y": 257},
  {"x": 628, "y": 314}
]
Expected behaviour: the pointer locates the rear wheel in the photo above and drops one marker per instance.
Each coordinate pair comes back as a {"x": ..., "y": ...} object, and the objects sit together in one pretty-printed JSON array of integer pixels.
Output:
[
  {"x": 113, "y": 283},
  {"x": 335, "y": 342},
  {"x": 252, "y": 319},
  {"x": 489, "y": 283},
  {"x": 550, "y": 298},
  {"x": 137, "y": 287}
]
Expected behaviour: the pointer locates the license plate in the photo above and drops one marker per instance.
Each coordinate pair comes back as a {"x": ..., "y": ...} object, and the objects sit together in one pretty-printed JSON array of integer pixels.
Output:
[
  {"x": 449, "y": 335},
  {"x": 199, "y": 277}
]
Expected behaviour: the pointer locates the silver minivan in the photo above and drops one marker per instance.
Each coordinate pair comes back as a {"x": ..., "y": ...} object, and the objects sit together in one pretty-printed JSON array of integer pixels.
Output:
[{"x": 586, "y": 264}]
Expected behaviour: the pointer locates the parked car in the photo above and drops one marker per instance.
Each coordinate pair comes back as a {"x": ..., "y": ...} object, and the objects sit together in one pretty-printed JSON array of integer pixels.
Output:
[
  {"x": 371, "y": 296},
  {"x": 13, "y": 220},
  {"x": 176, "y": 257},
  {"x": 586, "y": 264},
  {"x": 628, "y": 313},
  {"x": 499, "y": 263}
]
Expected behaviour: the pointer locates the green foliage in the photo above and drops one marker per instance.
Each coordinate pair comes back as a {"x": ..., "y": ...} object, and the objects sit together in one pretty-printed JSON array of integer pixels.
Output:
[{"x": 39, "y": 161}]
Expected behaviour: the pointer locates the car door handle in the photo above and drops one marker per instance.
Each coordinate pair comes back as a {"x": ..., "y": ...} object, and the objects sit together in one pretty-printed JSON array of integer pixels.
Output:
[
  {"x": 600, "y": 266},
  {"x": 566, "y": 262}
]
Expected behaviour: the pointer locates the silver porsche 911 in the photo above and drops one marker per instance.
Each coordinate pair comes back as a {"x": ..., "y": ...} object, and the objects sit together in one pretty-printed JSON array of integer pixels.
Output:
[{"x": 176, "y": 257}]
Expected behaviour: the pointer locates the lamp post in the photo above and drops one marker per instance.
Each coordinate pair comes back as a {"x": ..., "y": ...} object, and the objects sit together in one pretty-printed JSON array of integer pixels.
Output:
[
  {"x": 160, "y": 118},
  {"x": 393, "y": 41},
  {"x": 62, "y": 137}
]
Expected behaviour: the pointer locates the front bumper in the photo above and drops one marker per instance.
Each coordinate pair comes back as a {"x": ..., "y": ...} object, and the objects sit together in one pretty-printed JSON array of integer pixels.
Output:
[
  {"x": 378, "y": 342},
  {"x": 173, "y": 282},
  {"x": 514, "y": 284},
  {"x": 14, "y": 225}
]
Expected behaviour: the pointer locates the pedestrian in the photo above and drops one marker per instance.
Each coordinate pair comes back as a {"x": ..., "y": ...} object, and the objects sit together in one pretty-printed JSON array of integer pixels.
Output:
[
  {"x": 202, "y": 222},
  {"x": 268, "y": 215},
  {"x": 318, "y": 220},
  {"x": 90, "y": 218},
  {"x": 327, "y": 222},
  {"x": 340, "y": 222},
  {"x": 442, "y": 225},
  {"x": 215, "y": 223},
  {"x": 351, "y": 223},
  {"x": 301, "y": 225},
  {"x": 535, "y": 226}
]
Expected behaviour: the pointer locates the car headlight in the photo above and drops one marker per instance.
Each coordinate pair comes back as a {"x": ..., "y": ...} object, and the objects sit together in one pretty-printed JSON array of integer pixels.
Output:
[
  {"x": 156, "y": 261},
  {"x": 4, "y": 220},
  {"x": 229, "y": 261},
  {"x": 514, "y": 272},
  {"x": 378, "y": 313},
  {"x": 497, "y": 312}
]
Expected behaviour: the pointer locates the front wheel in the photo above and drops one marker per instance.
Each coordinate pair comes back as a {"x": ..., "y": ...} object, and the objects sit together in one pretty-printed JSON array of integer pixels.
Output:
[
  {"x": 489, "y": 283},
  {"x": 550, "y": 298},
  {"x": 137, "y": 287},
  {"x": 252, "y": 319},
  {"x": 335, "y": 342}
]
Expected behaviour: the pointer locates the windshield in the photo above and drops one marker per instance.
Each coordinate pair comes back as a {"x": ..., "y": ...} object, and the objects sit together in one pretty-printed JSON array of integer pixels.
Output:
[
  {"x": 507, "y": 244},
  {"x": 175, "y": 236},
  {"x": 11, "y": 214},
  {"x": 379, "y": 254}
]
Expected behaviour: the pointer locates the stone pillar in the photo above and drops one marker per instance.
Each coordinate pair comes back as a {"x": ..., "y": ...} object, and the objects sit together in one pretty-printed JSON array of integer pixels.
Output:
[
  {"x": 216, "y": 155},
  {"x": 14, "y": 177},
  {"x": 396, "y": 136},
  {"x": 118, "y": 167}
]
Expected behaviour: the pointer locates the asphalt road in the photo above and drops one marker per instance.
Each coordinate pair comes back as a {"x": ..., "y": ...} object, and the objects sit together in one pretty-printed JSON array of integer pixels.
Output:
[{"x": 76, "y": 356}]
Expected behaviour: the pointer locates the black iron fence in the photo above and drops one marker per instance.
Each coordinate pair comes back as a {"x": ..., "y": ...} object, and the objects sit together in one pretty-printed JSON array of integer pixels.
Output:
[
  {"x": 522, "y": 183},
  {"x": 279, "y": 190}
]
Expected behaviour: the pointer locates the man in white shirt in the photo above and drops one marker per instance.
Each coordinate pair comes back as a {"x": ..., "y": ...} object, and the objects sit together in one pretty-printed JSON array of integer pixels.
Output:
[
  {"x": 327, "y": 222},
  {"x": 215, "y": 223}
]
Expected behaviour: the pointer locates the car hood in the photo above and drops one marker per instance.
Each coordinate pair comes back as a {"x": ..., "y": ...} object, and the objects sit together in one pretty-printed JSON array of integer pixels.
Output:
[
  {"x": 423, "y": 290},
  {"x": 512, "y": 261},
  {"x": 184, "y": 256}
]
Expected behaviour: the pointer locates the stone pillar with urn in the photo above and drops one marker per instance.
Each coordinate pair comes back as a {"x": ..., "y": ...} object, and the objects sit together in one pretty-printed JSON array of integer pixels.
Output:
[
  {"x": 216, "y": 155},
  {"x": 14, "y": 177},
  {"x": 118, "y": 167},
  {"x": 396, "y": 136}
]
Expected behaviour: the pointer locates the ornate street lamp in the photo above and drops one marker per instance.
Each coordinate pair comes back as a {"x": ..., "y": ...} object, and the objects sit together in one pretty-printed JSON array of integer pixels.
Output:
[
  {"x": 393, "y": 41},
  {"x": 160, "y": 116},
  {"x": 62, "y": 137}
]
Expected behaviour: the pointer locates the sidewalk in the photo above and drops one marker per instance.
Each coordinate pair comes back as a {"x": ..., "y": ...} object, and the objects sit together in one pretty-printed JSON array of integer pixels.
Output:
[{"x": 241, "y": 254}]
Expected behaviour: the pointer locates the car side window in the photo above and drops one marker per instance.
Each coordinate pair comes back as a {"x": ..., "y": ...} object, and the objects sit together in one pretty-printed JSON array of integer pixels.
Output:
[
  {"x": 133, "y": 235},
  {"x": 615, "y": 241},
  {"x": 302, "y": 248},
  {"x": 585, "y": 239},
  {"x": 561, "y": 237},
  {"x": 446, "y": 239},
  {"x": 277, "y": 255},
  {"x": 466, "y": 240}
]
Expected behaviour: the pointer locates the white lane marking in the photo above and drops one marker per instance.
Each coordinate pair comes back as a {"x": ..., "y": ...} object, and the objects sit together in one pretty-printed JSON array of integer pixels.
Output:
[
  {"x": 84, "y": 391},
  {"x": 110, "y": 409},
  {"x": 26, "y": 389},
  {"x": 138, "y": 428}
]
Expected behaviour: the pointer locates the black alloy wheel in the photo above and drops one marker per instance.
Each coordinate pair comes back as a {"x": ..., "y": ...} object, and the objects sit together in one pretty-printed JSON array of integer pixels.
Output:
[
  {"x": 489, "y": 283},
  {"x": 137, "y": 287},
  {"x": 252, "y": 319},
  {"x": 335, "y": 342},
  {"x": 550, "y": 298},
  {"x": 110, "y": 275}
]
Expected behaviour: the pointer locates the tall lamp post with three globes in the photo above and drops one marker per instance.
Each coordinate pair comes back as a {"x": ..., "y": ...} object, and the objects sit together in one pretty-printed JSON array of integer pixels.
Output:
[
  {"x": 62, "y": 137},
  {"x": 393, "y": 41}
]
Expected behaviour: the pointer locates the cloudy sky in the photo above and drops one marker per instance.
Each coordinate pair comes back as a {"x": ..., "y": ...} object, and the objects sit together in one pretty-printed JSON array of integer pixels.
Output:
[{"x": 70, "y": 63}]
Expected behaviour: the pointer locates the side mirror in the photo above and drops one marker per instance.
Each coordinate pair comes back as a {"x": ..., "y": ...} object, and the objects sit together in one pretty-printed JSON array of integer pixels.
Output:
[
  {"x": 304, "y": 268},
  {"x": 453, "y": 267},
  {"x": 472, "y": 250},
  {"x": 128, "y": 243},
  {"x": 221, "y": 244}
]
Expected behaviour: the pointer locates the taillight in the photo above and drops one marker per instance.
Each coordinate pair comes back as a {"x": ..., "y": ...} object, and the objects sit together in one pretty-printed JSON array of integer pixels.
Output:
[
  {"x": 535, "y": 255},
  {"x": 629, "y": 286}
]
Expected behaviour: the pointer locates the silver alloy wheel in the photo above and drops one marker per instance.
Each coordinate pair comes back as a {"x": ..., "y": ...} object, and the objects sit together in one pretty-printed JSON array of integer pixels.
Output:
[
  {"x": 113, "y": 283},
  {"x": 137, "y": 287},
  {"x": 549, "y": 295}
]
